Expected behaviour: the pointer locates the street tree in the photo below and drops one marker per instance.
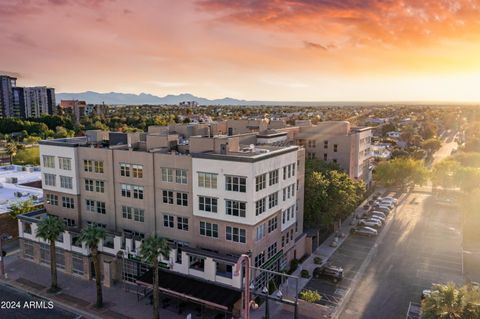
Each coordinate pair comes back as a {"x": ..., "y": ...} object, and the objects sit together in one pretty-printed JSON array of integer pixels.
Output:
[
  {"x": 152, "y": 248},
  {"x": 49, "y": 229},
  {"x": 91, "y": 236},
  {"x": 401, "y": 172},
  {"x": 11, "y": 149},
  {"x": 444, "y": 174}
]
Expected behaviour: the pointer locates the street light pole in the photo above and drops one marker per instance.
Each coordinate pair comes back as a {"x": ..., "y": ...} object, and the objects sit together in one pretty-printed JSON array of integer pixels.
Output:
[{"x": 267, "y": 310}]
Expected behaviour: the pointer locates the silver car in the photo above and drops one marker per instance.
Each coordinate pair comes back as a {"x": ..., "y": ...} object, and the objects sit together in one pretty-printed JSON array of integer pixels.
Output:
[
  {"x": 370, "y": 223},
  {"x": 364, "y": 231}
]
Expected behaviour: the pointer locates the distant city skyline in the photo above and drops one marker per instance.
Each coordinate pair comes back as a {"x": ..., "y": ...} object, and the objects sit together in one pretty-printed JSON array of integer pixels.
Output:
[{"x": 255, "y": 50}]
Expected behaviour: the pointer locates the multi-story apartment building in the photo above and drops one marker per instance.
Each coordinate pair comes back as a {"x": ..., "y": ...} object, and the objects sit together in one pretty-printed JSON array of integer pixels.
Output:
[
  {"x": 338, "y": 142},
  {"x": 25, "y": 101},
  {"x": 7, "y": 83},
  {"x": 214, "y": 197}
]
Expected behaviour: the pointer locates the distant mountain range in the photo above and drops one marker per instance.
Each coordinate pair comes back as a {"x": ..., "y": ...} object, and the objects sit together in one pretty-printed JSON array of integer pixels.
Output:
[{"x": 143, "y": 98}]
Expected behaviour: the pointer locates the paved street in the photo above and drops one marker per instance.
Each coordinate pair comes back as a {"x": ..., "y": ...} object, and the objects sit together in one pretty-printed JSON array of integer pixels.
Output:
[
  {"x": 17, "y": 305},
  {"x": 423, "y": 246}
]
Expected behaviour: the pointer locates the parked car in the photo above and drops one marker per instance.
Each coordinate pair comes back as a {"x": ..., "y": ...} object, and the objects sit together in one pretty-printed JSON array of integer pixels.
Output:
[
  {"x": 383, "y": 209},
  {"x": 370, "y": 223},
  {"x": 390, "y": 205},
  {"x": 364, "y": 231},
  {"x": 390, "y": 199},
  {"x": 376, "y": 217},
  {"x": 375, "y": 212},
  {"x": 334, "y": 273}
]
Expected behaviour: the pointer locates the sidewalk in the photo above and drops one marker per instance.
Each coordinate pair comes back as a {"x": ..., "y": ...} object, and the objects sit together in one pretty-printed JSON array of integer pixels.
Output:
[
  {"x": 324, "y": 251},
  {"x": 79, "y": 295}
]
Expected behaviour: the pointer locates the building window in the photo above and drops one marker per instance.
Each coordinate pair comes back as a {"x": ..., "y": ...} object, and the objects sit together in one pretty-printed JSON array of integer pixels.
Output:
[
  {"x": 136, "y": 214},
  {"x": 28, "y": 249},
  {"x": 89, "y": 185},
  {"x": 209, "y": 229},
  {"x": 334, "y": 160},
  {"x": 168, "y": 197},
  {"x": 90, "y": 205},
  {"x": 124, "y": 170},
  {"x": 88, "y": 165},
  {"x": 45, "y": 254},
  {"x": 272, "y": 250},
  {"x": 260, "y": 206},
  {"x": 325, "y": 156},
  {"x": 311, "y": 143},
  {"x": 235, "y": 208},
  {"x": 66, "y": 182},
  {"x": 272, "y": 200},
  {"x": 260, "y": 182},
  {"x": 236, "y": 184},
  {"x": 60, "y": 260},
  {"x": 167, "y": 175},
  {"x": 310, "y": 155},
  {"x": 207, "y": 180},
  {"x": 260, "y": 259},
  {"x": 293, "y": 169},
  {"x": 137, "y": 171},
  {"x": 68, "y": 202},
  {"x": 50, "y": 179},
  {"x": 137, "y": 192},
  {"x": 69, "y": 222},
  {"x": 52, "y": 199},
  {"x": 260, "y": 232},
  {"x": 168, "y": 221},
  {"x": 207, "y": 204},
  {"x": 272, "y": 224},
  {"x": 65, "y": 163},
  {"x": 126, "y": 190},
  {"x": 101, "y": 208},
  {"x": 273, "y": 177},
  {"x": 335, "y": 147},
  {"x": 182, "y": 199},
  {"x": 77, "y": 264},
  {"x": 94, "y": 224},
  {"x": 98, "y": 166},
  {"x": 100, "y": 186},
  {"x": 235, "y": 234},
  {"x": 48, "y": 161},
  {"x": 284, "y": 173},
  {"x": 181, "y": 176},
  {"x": 182, "y": 223},
  {"x": 325, "y": 144}
]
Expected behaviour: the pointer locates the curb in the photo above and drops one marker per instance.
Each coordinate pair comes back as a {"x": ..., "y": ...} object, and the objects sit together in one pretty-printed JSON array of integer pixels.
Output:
[{"x": 65, "y": 306}]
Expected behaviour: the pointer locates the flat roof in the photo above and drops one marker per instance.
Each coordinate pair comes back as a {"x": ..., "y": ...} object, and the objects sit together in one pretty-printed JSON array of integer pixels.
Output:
[
  {"x": 259, "y": 155},
  {"x": 13, "y": 193},
  {"x": 23, "y": 174}
]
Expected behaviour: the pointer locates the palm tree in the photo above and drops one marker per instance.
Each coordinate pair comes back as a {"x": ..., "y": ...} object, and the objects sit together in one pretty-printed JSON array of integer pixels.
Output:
[
  {"x": 91, "y": 236},
  {"x": 444, "y": 302},
  {"x": 11, "y": 148},
  {"x": 151, "y": 249},
  {"x": 49, "y": 229}
]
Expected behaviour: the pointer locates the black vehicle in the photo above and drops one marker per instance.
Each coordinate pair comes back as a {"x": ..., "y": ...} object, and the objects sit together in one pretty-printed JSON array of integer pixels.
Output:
[{"x": 334, "y": 273}]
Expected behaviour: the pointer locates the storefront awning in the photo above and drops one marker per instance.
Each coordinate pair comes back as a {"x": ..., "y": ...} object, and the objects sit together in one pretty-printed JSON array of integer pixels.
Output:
[{"x": 192, "y": 289}]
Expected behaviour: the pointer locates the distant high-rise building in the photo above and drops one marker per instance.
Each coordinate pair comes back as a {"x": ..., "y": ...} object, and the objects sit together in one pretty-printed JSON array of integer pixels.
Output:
[
  {"x": 52, "y": 105},
  {"x": 18, "y": 102},
  {"x": 36, "y": 101},
  {"x": 6, "y": 95}
]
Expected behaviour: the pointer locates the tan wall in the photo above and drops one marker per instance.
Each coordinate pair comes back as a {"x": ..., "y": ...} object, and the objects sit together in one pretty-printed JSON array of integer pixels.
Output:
[
  {"x": 108, "y": 197},
  {"x": 62, "y": 212},
  {"x": 174, "y": 162},
  {"x": 141, "y": 158}
]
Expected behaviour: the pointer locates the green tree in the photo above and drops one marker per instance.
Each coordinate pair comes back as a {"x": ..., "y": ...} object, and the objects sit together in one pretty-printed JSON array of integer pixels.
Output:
[
  {"x": 444, "y": 173},
  {"x": 311, "y": 296},
  {"x": 152, "y": 248},
  {"x": 92, "y": 236},
  {"x": 27, "y": 156},
  {"x": 451, "y": 302},
  {"x": 27, "y": 206},
  {"x": 49, "y": 229},
  {"x": 11, "y": 149},
  {"x": 401, "y": 172},
  {"x": 331, "y": 193},
  {"x": 431, "y": 145}
]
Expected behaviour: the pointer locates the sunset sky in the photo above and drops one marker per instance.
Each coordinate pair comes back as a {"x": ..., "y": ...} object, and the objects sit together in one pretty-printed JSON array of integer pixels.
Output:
[{"x": 310, "y": 50}]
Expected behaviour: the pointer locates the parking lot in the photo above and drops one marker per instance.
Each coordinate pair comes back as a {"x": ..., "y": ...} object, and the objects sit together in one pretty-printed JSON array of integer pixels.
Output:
[{"x": 419, "y": 245}]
